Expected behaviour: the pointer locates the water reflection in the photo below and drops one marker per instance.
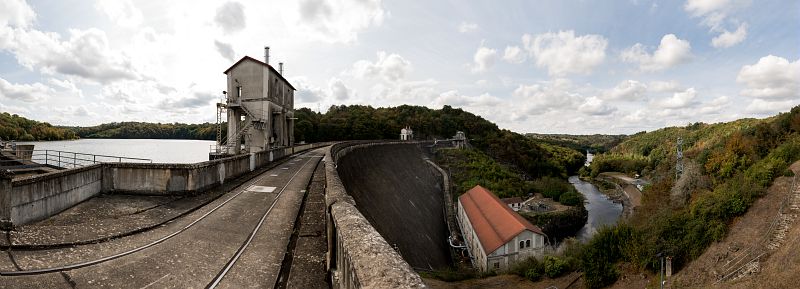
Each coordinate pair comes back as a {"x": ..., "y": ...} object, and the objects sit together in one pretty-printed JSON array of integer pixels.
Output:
[{"x": 602, "y": 211}]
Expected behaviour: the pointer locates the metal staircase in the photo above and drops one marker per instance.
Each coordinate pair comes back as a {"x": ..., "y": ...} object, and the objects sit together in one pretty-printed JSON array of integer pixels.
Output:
[{"x": 226, "y": 145}]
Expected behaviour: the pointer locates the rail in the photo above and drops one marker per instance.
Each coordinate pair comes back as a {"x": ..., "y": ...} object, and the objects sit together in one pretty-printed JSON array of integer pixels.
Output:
[{"x": 67, "y": 159}]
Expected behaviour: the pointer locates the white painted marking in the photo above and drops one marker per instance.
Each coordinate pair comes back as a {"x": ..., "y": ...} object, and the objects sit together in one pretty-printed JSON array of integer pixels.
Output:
[
  {"x": 261, "y": 189},
  {"x": 273, "y": 175},
  {"x": 285, "y": 168}
]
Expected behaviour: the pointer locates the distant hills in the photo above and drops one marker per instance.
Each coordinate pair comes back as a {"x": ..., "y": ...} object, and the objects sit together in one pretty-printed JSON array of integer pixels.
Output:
[{"x": 15, "y": 127}]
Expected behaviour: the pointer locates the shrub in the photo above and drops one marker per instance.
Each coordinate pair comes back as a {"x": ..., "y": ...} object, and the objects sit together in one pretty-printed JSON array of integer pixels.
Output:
[
  {"x": 570, "y": 199},
  {"x": 533, "y": 275},
  {"x": 554, "y": 267}
]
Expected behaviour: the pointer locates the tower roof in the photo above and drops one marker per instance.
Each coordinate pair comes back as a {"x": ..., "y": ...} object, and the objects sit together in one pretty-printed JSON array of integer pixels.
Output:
[{"x": 262, "y": 63}]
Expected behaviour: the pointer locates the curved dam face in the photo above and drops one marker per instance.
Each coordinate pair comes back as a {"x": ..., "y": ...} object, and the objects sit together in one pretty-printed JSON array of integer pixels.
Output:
[{"x": 401, "y": 196}]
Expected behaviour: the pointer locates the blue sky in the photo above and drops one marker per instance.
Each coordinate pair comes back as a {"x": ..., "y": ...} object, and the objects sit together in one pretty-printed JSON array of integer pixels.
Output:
[{"x": 531, "y": 66}]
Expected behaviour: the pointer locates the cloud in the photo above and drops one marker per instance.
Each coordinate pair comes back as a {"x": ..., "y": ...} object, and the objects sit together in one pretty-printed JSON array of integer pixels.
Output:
[
  {"x": 626, "y": 90},
  {"x": 680, "y": 99},
  {"x": 671, "y": 52},
  {"x": 67, "y": 85},
  {"x": 772, "y": 78},
  {"x": 306, "y": 93},
  {"x": 562, "y": 53},
  {"x": 86, "y": 54},
  {"x": 230, "y": 17},
  {"x": 338, "y": 89},
  {"x": 225, "y": 49},
  {"x": 16, "y": 13},
  {"x": 595, "y": 106},
  {"x": 664, "y": 86},
  {"x": 546, "y": 96},
  {"x": 715, "y": 15},
  {"x": 196, "y": 100},
  {"x": 391, "y": 67},
  {"x": 514, "y": 54},
  {"x": 714, "y": 106},
  {"x": 123, "y": 12},
  {"x": 760, "y": 106},
  {"x": 337, "y": 20},
  {"x": 483, "y": 59},
  {"x": 24, "y": 92},
  {"x": 467, "y": 27},
  {"x": 728, "y": 39},
  {"x": 456, "y": 99}
]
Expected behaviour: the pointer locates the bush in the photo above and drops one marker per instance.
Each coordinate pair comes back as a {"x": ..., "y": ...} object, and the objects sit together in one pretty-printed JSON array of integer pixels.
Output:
[
  {"x": 570, "y": 199},
  {"x": 554, "y": 267},
  {"x": 533, "y": 275}
]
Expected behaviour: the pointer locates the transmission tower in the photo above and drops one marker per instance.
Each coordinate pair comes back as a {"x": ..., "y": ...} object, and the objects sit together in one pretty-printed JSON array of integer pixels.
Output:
[{"x": 679, "y": 164}]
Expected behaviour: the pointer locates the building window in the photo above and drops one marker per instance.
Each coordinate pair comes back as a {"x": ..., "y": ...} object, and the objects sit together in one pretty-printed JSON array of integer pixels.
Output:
[
  {"x": 521, "y": 244},
  {"x": 496, "y": 265},
  {"x": 527, "y": 243}
]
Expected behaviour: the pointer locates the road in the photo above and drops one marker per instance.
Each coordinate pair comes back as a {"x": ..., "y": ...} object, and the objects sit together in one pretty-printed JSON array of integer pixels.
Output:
[{"x": 250, "y": 225}]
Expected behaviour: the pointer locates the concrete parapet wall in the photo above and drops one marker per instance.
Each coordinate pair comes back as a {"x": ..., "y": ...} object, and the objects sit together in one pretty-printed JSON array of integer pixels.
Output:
[
  {"x": 37, "y": 197},
  {"x": 358, "y": 256}
]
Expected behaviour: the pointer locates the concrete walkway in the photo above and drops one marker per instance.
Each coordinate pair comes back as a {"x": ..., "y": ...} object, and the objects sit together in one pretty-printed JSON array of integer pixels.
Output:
[{"x": 192, "y": 258}]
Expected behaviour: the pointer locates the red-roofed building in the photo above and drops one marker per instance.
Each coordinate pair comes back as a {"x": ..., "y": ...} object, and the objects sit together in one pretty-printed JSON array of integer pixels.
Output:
[{"x": 496, "y": 236}]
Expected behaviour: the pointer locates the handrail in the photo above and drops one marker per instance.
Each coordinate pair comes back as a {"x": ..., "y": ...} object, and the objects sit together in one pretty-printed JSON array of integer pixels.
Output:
[{"x": 66, "y": 159}]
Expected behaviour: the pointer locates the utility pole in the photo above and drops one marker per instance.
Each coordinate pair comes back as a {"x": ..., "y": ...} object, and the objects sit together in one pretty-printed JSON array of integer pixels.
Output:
[{"x": 679, "y": 164}]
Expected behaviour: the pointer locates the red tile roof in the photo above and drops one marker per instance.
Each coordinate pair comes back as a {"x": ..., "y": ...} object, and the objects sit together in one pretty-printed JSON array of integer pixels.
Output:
[
  {"x": 259, "y": 62},
  {"x": 493, "y": 221}
]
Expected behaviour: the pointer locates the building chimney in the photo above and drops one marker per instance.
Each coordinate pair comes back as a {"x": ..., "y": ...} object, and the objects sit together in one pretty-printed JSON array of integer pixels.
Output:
[
  {"x": 280, "y": 68},
  {"x": 266, "y": 54}
]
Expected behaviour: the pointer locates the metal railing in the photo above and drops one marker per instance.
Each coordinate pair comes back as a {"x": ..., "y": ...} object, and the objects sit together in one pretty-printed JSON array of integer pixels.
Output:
[{"x": 66, "y": 159}]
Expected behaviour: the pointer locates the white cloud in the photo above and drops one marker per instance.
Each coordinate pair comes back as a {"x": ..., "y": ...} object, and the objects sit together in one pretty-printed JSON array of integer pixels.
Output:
[
  {"x": 456, "y": 99},
  {"x": 338, "y": 89},
  {"x": 547, "y": 96},
  {"x": 681, "y": 99},
  {"x": 24, "y": 92},
  {"x": 595, "y": 106},
  {"x": 715, "y": 15},
  {"x": 772, "y": 77},
  {"x": 671, "y": 52},
  {"x": 563, "y": 53},
  {"x": 626, "y": 90},
  {"x": 483, "y": 59},
  {"x": 16, "y": 13},
  {"x": 123, "y": 12},
  {"x": 728, "y": 39},
  {"x": 337, "y": 20},
  {"x": 714, "y": 106},
  {"x": 664, "y": 86},
  {"x": 760, "y": 106},
  {"x": 230, "y": 17},
  {"x": 67, "y": 85},
  {"x": 225, "y": 50},
  {"x": 306, "y": 93},
  {"x": 86, "y": 54},
  {"x": 466, "y": 27},
  {"x": 514, "y": 54},
  {"x": 391, "y": 67}
]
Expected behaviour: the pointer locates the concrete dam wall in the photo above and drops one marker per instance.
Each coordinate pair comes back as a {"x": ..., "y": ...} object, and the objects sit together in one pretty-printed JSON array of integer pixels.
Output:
[{"x": 401, "y": 196}]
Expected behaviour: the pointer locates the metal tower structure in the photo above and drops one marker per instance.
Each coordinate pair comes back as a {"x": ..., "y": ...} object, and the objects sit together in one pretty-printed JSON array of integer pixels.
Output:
[{"x": 679, "y": 164}]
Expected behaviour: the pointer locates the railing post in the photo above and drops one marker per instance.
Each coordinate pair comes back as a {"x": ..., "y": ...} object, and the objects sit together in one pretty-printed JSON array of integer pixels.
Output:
[
  {"x": 59, "y": 159},
  {"x": 74, "y": 160},
  {"x": 5, "y": 199}
]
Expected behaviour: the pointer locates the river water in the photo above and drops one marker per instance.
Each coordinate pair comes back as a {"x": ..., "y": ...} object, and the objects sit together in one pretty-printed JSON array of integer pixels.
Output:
[
  {"x": 159, "y": 150},
  {"x": 602, "y": 211}
]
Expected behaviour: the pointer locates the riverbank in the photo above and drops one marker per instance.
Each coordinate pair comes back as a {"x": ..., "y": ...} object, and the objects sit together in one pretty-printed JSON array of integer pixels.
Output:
[{"x": 618, "y": 191}]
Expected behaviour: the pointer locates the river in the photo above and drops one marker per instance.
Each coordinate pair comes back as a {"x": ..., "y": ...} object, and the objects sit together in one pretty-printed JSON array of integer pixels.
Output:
[
  {"x": 159, "y": 150},
  {"x": 602, "y": 211}
]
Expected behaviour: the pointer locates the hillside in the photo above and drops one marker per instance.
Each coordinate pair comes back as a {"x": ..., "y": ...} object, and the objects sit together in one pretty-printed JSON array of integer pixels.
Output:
[
  {"x": 728, "y": 167},
  {"x": 15, "y": 127},
  {"x": 596, "y": 143},
  {"x": 141, "y": 130}
]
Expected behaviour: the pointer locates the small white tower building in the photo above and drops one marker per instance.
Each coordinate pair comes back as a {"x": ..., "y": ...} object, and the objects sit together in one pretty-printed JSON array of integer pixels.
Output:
[{"x": 406, "y": 133}]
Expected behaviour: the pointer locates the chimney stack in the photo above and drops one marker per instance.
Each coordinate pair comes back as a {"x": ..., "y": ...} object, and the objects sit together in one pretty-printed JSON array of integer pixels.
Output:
[
  {"x": 280, "y": 68},
  {"x": 266, "y": 54}
]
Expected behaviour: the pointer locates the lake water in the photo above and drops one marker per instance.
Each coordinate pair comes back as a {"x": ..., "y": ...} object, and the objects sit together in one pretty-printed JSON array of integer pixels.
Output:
[
  {"x": 602, "y": 211},
  {"x": 159, "y": 150}
]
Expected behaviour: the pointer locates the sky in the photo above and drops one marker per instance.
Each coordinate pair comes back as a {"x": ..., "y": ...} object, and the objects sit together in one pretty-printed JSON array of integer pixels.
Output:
[{"x": 576, "y": 67}]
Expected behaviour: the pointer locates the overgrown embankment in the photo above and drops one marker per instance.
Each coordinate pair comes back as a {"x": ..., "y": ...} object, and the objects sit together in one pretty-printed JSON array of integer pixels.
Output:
[{"x": 728, "y": 166}]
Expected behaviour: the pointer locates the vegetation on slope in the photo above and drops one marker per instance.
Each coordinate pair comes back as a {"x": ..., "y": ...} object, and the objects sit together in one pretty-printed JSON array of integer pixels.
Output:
[
  {"x": 144, "y": 130},
  {"x": 596, "y": 143},
  {"x": 15, "y": 127},
  {"x": 732, "y": 165}
]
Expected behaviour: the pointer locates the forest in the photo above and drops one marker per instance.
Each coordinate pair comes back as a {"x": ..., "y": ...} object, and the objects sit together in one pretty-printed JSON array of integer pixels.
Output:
[
  {"x": 145, "y": 130},
  {"x": 15, "y": 127}
]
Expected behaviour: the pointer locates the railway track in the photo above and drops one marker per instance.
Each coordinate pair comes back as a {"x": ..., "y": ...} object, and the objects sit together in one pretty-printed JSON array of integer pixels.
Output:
[{"x": 219, "y": 277}]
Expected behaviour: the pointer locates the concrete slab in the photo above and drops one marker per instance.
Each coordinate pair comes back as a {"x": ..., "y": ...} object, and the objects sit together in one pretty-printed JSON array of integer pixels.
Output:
[{"x": 261, "y": 189}]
